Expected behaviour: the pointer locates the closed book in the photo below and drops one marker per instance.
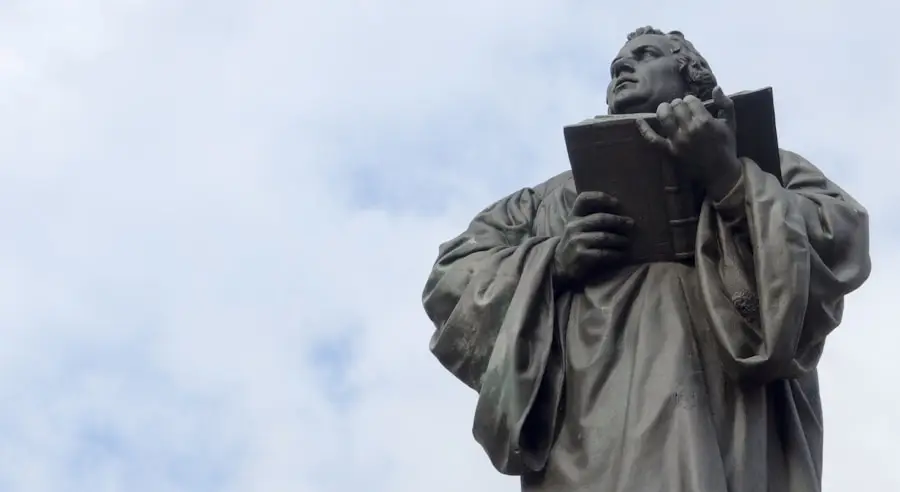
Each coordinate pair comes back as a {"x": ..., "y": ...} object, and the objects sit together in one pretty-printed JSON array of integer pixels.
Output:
[{"x": 609, "y": 154}]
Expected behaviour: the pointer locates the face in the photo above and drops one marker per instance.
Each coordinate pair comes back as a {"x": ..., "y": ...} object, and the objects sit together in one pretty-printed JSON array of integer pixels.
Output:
[{"x": 644, "y": 75}]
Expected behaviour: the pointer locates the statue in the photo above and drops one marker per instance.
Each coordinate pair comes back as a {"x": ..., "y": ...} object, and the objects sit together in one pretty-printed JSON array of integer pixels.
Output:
[{"x": 596, "y": 373}]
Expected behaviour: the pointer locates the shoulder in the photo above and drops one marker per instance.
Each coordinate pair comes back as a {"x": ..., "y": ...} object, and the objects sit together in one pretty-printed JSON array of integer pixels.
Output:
[
  {"x": 532, "y": 197},
  {"x": 797, "y": 169},
  {"x": 553, "y": 185},
  {"x": 790, "y": 157}
]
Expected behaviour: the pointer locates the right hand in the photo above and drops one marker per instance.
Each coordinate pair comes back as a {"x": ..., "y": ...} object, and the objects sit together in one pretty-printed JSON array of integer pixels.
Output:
[{"x": 595, "y": 238}]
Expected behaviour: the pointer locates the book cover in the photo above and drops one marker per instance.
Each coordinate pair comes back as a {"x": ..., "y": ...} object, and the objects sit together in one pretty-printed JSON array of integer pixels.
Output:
[{"x": 608, "y": 154}]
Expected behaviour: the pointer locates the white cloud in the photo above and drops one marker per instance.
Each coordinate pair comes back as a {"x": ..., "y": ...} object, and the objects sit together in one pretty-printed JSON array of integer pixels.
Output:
[{"x": 194, "y": 194}]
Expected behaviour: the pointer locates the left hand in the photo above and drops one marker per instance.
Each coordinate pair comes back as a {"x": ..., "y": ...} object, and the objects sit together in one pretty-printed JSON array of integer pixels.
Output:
[{"x": 705, "y": 143}]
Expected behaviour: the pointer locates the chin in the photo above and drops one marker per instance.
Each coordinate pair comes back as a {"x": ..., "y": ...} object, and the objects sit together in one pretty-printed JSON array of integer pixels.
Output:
[{"x": 628, "y": 104}]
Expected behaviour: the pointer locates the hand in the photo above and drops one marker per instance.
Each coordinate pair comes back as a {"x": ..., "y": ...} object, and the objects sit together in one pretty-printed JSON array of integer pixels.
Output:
[
  {"x": 595, "y": 237},
  {"x": 705, "y": 143}
]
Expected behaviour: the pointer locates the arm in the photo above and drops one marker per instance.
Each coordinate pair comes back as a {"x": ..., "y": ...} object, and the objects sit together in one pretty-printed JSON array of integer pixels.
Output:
[
  {"x": 775, "y": 264},
  {"x": 472, "y": 284},
  {"x": 490, "y": 298}
]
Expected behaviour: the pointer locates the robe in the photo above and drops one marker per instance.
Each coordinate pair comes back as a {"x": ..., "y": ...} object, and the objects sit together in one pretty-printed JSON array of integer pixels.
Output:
[{"x": 659, "y": 377}]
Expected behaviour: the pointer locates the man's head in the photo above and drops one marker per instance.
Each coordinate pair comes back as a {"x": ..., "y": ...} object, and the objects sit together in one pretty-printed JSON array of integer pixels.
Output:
[{"x": 656, "y": 67}]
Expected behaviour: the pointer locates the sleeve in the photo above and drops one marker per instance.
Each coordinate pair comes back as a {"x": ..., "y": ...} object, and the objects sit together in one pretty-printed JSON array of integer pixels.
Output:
[
  {"x": 490, "y": 298},
  {"x": 774, "y": 264}
]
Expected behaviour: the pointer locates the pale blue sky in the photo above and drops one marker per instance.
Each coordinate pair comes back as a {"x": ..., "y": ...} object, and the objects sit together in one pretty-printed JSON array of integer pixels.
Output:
[{"x": 193, "y": 195}]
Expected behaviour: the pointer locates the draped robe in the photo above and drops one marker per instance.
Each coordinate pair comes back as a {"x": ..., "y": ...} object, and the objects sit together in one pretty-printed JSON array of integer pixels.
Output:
[{"x": 660, "y": 377}]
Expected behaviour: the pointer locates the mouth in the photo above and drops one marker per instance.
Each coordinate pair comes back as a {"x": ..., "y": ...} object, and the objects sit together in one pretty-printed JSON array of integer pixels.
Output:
[{"x": 623, "y": 81}]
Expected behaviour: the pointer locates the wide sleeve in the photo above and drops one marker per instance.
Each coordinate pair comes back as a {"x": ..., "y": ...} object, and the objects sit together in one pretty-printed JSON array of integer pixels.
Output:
[
  {"x": 490, "y": 297},
  {"x": 774, "y": 264}
]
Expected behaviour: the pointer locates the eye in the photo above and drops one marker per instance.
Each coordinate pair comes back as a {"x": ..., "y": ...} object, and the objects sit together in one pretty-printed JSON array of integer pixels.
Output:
[{"x": 648, "y": 53}]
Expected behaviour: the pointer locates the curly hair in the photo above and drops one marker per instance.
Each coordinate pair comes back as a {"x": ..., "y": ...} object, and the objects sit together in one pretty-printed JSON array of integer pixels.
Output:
[{"x": 694, "y": 68}]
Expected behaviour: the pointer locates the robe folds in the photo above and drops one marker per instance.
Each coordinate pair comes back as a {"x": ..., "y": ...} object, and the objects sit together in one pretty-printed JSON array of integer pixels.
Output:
[{"x": 660, "y": 377}]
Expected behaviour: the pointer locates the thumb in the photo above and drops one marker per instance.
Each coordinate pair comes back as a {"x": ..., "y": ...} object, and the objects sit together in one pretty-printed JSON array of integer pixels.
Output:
[{"x": 726, "y": 107}]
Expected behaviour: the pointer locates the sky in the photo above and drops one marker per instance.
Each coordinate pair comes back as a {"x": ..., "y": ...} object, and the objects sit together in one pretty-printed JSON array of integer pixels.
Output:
[{"x": 217, "y": 218}]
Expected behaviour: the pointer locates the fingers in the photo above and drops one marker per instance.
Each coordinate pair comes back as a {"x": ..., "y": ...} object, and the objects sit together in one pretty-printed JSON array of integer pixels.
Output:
[
  {"x": 683, "y": 113},
  {"x": 598, "y": 257},
  {"x": 601, "y": 240},
  {"x": 726, "y": 107},
  {"x": 695, "y": 106},
  {"x": 651, "y": 136},
  {"x": 603, "y": 222},
  {"x": 667, "y": 119},
  {"x": 590, "y": 202}
]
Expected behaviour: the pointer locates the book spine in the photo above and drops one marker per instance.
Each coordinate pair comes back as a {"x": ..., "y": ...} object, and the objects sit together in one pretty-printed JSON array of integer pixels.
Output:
[{"x": 683, "y": 214}]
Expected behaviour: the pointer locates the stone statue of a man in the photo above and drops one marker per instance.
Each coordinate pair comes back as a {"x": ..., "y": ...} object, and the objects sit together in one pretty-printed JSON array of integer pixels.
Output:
[{"x": 598, "y": 374}]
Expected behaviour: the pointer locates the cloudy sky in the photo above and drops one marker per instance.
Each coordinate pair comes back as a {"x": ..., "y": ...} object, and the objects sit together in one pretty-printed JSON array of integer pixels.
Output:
[{"x": 216, "y": 219}]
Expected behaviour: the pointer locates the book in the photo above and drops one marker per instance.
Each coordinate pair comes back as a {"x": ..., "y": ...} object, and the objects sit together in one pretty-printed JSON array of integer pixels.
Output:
[{"x": 608, "y": 154}]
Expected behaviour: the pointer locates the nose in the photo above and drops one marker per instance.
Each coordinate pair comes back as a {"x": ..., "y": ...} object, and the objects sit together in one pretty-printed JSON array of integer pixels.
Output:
[{"x": 622, "y": 65}]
